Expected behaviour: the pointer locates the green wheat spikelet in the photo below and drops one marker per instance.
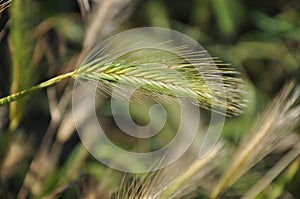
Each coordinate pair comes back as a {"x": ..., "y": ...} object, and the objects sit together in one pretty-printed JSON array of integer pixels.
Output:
[{"x": 155, "y": 73}]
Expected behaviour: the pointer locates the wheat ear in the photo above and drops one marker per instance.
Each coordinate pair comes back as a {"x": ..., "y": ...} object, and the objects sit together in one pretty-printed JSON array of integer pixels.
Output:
[{"x": 158, "y": 72}]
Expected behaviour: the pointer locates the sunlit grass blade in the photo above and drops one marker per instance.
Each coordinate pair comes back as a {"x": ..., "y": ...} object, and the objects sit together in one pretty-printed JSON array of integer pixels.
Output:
[
  {"x": 179, "y": 180},
  {"x": 270, "y": 175},
  {"x": 4, "y": 5},
  {"x": 282, "y": 117}
]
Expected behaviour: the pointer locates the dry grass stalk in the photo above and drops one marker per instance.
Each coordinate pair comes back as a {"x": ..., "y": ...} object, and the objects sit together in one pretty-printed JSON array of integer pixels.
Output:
[
  {"x": 103, "y": 17},
  {"x": 19, "y": 149},
  {"x": 179, "y": 180},
  {"x": 280, "y": 118},
  {"x": 4, "y": 5},
  {"x": 273, "y": 172}
]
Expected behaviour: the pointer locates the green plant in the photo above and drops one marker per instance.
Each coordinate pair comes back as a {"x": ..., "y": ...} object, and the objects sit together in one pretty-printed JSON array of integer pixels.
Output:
[
  {"x": 40, "y": 153},
  {"x": 131, "y": 70}
]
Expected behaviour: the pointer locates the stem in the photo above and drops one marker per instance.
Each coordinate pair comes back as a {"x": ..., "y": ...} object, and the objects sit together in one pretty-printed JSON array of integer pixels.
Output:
[
  {"x": 18, "y": 95},
  {"x": 187, "y": 176}
]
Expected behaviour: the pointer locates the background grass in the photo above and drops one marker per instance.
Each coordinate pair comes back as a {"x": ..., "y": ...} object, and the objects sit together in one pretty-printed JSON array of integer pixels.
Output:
[{"x": 41, "y": 154}]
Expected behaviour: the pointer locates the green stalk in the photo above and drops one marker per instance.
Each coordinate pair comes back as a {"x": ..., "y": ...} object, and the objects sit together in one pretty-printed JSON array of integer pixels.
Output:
[{"x": 18, "y": 95}]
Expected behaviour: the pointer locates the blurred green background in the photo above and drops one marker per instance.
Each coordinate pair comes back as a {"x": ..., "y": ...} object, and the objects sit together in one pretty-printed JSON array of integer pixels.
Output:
[{"x": 41, "y": 39}]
